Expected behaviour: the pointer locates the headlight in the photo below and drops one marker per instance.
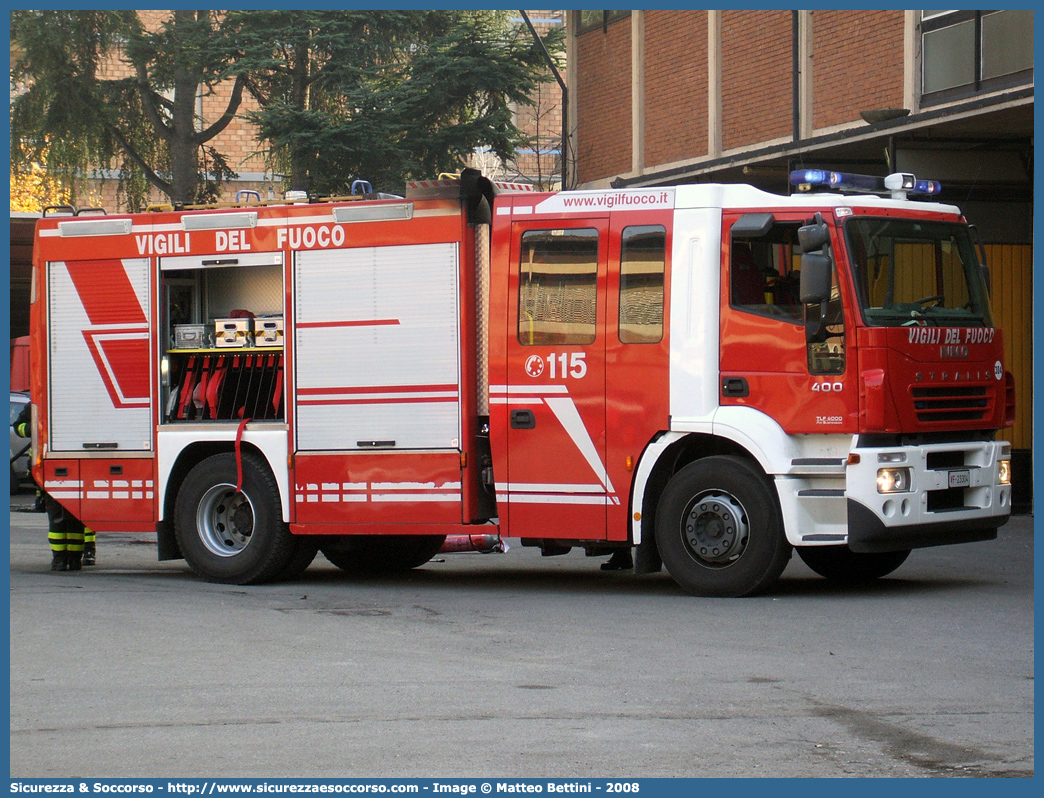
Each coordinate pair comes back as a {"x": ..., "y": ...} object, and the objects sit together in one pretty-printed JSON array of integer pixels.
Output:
[
  {"x": 1004, "y": 472},
  {"x": 893, "y": 480}
]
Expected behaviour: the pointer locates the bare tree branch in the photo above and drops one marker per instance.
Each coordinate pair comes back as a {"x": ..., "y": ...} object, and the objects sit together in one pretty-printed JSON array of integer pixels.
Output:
[
  {"x": 148, "y": 103},
  {"x": 230, "y": 112},
  {"x": 132, "y": 153}
]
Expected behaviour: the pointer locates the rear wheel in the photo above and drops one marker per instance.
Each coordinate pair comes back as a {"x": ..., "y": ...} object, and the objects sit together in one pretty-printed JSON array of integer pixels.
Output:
[
  {"x": 719, "y": 530},
  {"x": 845, "y": 567},
  {"x": 230, "y": 536},
  {"x": 383, "y": 554},
  {"x": 302, "y": 553}
]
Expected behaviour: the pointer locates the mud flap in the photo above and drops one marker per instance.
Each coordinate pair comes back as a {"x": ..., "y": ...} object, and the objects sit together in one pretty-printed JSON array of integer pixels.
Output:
[
  {"x": 646, "y": 556},
  {"x": 167, "y": 545}
]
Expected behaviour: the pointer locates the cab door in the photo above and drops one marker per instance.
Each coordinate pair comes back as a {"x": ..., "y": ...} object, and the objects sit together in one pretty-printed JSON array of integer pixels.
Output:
[
  {"x": 637, "y": 379},
  {"x": 557, "y": 484},
  {"x": 766, "y": 362}
]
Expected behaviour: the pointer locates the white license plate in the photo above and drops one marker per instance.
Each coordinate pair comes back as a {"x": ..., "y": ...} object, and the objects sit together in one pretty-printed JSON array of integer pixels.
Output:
[{"x": 960, "y": 479}]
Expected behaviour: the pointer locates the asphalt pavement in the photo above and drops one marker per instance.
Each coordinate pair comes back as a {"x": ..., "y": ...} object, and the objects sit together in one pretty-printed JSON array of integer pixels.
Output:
[{"x": 516, "y": 665}]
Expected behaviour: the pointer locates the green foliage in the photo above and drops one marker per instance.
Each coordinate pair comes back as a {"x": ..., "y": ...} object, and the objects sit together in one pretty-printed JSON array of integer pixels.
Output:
[
  {"x": 96, "y": 90},
  {"x": 381, "y": 95},
  {"x": 385, "y": 95},
  {"x": 57, "y": 59}
]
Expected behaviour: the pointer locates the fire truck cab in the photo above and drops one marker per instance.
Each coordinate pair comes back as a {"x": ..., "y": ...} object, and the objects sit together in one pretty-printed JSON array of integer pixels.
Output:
[{"x": 710, "y": 375}]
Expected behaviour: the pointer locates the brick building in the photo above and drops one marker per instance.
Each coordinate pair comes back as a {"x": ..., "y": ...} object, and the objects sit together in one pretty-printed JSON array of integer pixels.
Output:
[
  {"x": 669, "y": 97},
  {"x": 539, "y": 160}
]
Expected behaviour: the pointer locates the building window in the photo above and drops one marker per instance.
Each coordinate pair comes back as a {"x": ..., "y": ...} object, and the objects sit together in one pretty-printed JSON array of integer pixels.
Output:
[
  {"x": 968, "y": 52},
  {"x": 597, "y": 20},
  {"x": 557, "y": 293}
]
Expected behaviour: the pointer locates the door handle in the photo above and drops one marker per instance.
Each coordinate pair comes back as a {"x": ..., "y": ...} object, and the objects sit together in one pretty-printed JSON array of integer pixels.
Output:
[
  {"x": 735, "y": 386},
  {"x": 522, "y": 419}
]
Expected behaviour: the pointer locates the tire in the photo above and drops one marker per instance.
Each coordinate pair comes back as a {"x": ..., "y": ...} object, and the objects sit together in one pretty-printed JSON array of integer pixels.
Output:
[
  {"x": 843, "y": 566},
  {"x": 719, "y": 529},
  {"x": 301, "y": 556},
  {"x": 237, "y": 539},
  {"x": 383, "y": 554}
]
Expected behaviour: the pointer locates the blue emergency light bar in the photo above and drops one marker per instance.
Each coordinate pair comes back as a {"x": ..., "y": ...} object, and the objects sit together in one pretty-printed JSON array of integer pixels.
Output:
[{"x": 898, "y": 185}]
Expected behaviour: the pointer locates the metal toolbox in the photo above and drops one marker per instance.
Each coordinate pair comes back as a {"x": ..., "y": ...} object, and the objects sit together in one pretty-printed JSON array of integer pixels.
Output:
[
  {"x": 232, "y": 332},
  {"x": 189, "y": 336},
  {"x": 268, "y": 331}
]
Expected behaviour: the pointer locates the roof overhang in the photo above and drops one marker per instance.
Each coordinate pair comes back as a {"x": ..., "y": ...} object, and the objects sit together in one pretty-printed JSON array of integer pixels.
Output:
[{"x": 1001, "y": 122}]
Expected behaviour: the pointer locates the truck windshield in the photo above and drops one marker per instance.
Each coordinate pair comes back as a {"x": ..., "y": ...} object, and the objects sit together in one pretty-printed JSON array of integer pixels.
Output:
[{"x": 910, "y": 271}]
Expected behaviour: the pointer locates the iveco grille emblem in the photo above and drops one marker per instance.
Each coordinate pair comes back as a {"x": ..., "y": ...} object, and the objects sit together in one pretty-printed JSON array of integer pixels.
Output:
[{"x": 950, "y": 351}]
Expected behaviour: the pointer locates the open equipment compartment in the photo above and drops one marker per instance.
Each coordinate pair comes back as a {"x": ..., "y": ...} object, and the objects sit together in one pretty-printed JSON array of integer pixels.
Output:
[{"x": 214, "y": 368}]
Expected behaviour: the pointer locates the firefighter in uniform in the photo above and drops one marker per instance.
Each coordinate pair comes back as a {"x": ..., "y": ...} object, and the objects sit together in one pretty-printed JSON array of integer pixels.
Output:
[{"x": 72, "y": 544}]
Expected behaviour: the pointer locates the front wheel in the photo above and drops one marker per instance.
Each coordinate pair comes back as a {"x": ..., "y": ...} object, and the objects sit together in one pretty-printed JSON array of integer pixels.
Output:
[
  {"x": 230, "y": 536},
  {"x": 383, "y": 554},
  {"x": 845, "y": 567},
  {"x": 719, "y": 529}
]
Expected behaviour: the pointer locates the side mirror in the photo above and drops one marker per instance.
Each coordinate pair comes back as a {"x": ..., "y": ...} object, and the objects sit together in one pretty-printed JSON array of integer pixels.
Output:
[
  {"x": 812, "y": 237},
  {"x": 815, "y": 278}
]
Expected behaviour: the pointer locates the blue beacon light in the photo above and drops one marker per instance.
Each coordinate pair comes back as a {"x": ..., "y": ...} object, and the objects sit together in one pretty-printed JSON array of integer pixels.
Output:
[{"x": 899, "y": 184}]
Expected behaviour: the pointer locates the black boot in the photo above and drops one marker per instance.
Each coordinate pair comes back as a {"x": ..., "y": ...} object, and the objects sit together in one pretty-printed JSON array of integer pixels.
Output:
[
  {"x": 59, "y": 561},
  {"x": 89, "y": 554},
  {"x": 75, "y": 560},
  {"x": 620, "y": 561}
]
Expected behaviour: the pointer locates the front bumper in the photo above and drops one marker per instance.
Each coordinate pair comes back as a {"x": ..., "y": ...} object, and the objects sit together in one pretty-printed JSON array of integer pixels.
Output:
[
  {"x": 866, "y": 533},
  {"x": 954, "y": 496}
]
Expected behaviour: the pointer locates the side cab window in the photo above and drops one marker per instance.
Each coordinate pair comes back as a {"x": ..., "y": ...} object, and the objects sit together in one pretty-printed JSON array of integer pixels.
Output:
[
  {"x": 643, "y": 253},
  {"x": 764, "y": 259},
  {"x": 558, "y": 279}
]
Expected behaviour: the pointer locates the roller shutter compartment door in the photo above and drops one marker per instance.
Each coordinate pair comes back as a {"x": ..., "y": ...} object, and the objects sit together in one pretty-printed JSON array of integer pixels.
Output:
[
  {"x": 377, "y": 339},
  {"x": 100, "y": 361}
]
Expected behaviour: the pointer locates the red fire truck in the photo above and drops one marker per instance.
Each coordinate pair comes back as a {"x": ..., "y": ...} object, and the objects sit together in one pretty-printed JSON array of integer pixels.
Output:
[{"x": 709, "y": 375}]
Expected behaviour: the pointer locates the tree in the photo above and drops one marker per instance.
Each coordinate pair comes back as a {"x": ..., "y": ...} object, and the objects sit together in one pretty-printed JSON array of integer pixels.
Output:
[
  {"x": 141, "y": 119},
  {"x": 384, "y": 95}
]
